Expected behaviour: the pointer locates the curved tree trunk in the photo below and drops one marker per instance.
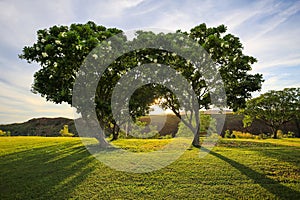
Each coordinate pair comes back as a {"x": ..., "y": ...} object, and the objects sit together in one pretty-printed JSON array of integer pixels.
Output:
[
  {"x": 196, "y": 140},
  {"x": 102, "y": 142}
]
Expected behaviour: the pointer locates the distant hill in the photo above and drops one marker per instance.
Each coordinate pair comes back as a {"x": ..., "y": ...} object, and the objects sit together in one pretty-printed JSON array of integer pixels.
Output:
[
  {"x": 40, "y": 127},
  {"x": 52, "y": 126}
]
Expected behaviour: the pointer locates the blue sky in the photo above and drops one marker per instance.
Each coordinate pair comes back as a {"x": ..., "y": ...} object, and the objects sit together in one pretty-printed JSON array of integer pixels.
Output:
[{"x": 268, "y": 29}]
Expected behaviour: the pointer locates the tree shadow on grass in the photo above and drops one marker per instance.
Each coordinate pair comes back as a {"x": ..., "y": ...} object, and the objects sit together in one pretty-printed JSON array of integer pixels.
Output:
[
  {"x": 50, "y": 172},
  {"x": 274, "y": 187}
]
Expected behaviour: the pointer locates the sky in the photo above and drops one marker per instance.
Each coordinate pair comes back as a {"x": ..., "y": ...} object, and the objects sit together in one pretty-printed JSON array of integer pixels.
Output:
[{"x": 268, "y": 29}]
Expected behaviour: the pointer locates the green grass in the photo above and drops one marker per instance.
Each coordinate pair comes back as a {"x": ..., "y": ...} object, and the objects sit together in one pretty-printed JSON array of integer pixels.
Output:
[{"x": 61, "y": 168}]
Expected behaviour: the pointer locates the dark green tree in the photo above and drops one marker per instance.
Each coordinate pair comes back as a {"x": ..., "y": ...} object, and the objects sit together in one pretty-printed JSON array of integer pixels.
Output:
[
  {"x": 60, "y": 51},
  {"x": 274, "y": 108},
  {"x": 226, "y": 51}
]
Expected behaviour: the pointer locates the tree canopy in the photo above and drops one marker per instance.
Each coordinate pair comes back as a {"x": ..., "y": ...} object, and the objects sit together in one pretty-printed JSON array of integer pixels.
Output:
[
  {"x": 61, "y": 50},
  {"x": 274, "y": 108}
]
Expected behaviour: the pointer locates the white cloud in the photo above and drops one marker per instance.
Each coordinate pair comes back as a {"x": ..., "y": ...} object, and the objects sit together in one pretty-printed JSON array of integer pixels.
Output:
[{"x": 268, "y": 29}]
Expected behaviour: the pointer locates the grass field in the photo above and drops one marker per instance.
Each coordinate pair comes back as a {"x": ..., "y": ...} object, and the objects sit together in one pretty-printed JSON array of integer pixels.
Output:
[{"x": 61, "y": 168}]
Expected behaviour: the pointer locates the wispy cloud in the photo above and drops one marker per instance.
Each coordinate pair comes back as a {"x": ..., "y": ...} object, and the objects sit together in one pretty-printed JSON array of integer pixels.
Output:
[{"x": 268, "y": 29}]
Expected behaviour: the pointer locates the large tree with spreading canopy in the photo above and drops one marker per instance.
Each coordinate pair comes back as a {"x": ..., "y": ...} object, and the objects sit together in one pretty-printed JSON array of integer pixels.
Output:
[
  {"x": 274, "y": 108},
  {"x": 60, "y": 51}
]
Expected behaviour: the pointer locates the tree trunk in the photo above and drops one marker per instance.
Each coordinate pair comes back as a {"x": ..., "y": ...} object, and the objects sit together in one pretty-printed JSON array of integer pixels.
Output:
[
  {"x": 274, "y": 130},
  {"x": 102, "y": 142},
  {"x": 298, "y": 127},
  {"x": 196, "y": 140},
  {"x": 115, "y": 132}
]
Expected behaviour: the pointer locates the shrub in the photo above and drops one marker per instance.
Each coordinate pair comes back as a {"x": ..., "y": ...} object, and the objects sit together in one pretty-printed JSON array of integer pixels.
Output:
[
  {"x": 207, "y": 126},
  {"x": 279, "y": 134},
  {"x": 262, "y": 136},
  {"x": 166, "y": 137},
  {"x": 2, "y": 133},
  {"x": 141, "y": 130},
  {"x": 239, "y": 134},
  {"x": 227, "y": 134},
  {"x": 8, "y": 133},
  {"x": 65, "y": 132},
  {"x": 290, "y": 134}
]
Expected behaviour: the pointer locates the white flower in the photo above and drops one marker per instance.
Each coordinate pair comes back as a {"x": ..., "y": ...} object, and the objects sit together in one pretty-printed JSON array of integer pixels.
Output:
[
  {"x": 109, "y": 42},
  {"x": 78, "y": 47},
  {"x": 57, "y": 41},
  {"x": 44, "y": 54},
  {"x": 37, "y": 48},
  {"x": 155, "y": 60},
  {"x": 59, "y": 48},
  {"x": 181, "y": 38},
  {"x": 63, "y": 34},
  {"x": 95, "y": 56},
  {"x": 226, "y": 45},
  {"x": 43, "y": 40},
  {"x": 174, "y": 54},
  {"x": 54, "y": 64}
]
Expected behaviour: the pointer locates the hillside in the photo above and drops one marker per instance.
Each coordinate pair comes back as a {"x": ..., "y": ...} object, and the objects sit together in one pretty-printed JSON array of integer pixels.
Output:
[
  {"x": 40, "y": 127},
  {"x": 52, "y": 126}
]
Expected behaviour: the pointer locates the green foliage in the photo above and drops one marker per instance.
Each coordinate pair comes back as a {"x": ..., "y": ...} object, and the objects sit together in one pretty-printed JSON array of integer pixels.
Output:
[
  {"x": 227, "y": 134},
  {"x": 5, "y": 133},
  {"x": 207, "y": 126},
  {"x": 263, "y": 136},
  {"x": 39, "y": 127},
  {"x": 275, "y": 108},
  {"x": 227, "y": 51},
  {"x": 239, "y": 134},
  {"x": 2, "y": 133},
  {"x": 290, "y": 134},
  {"x": 143, "y": 131},
  {"x": 60, "y": 51},
  {"x": 280, "y": 134},
  {"x": 65, "y": 132},
  {"x": 166, "y": 137}
]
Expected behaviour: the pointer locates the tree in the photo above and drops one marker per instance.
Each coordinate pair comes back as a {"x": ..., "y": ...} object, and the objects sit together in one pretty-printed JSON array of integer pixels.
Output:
[
  {"x": 274, "y": 108},
  {"x": 226, "y": 53},
  {"x": 60, "y": 50}
]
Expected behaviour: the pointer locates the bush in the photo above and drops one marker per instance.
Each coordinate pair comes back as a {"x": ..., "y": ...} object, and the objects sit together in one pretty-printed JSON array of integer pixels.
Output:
[
  {"x": 141, "y": 130},
  {"x": 239, "y": 134},
  {"x": 207, "y": 127},
  {"x": 262, "y": 136},
  {"x": 166, "y": 137},
  {"x": 280, "y": 134},
  {"x": 2, "y": 133},
  {"x": 227, "y": 134},
  {"x": 65, "y": 132},
  {"x": 290, "y": 134}
]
